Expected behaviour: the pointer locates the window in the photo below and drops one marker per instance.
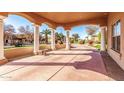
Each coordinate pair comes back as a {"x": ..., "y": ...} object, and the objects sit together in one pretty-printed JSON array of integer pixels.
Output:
[{"x": 116, "y": 31}]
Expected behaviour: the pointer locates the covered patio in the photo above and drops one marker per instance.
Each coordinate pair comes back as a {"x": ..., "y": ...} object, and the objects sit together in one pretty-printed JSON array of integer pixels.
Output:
[
  {"x": 79, "y": 63},
  {"x": 66, "y": 20}
]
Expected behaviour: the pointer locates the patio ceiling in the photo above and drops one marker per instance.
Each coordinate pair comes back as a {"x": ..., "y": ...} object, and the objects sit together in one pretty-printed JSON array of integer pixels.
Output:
[
  {"x": 65, "y": 19},
  {"x": 69, "y": 17}
]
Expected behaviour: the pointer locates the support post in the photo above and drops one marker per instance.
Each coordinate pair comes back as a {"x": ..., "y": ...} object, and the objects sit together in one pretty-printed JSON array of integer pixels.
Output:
[
  {"x": 36, "y": 39},
  {"x": 52, "y": 39},
  {"x": 103, "y": 46},
  {"x": 2, "y": 57},
  {"x": 67, "y": 40}
]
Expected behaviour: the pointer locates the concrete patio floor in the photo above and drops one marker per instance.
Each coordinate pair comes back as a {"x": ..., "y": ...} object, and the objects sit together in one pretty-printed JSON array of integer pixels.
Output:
[{"x": 79, "y": 63}]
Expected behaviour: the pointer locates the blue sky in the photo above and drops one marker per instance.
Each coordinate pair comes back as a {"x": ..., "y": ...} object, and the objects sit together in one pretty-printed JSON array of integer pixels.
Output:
[{"x": 17, "y": 21}]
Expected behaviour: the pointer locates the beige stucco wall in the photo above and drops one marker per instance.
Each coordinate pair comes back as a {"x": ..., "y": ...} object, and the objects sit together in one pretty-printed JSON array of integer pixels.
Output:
[{"x": 118, "y": 57}]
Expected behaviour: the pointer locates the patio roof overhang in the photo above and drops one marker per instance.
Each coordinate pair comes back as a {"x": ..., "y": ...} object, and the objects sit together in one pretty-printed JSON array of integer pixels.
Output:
[
  {"x": 65, "y": 19},
  {"x": 54, "y": 19}
]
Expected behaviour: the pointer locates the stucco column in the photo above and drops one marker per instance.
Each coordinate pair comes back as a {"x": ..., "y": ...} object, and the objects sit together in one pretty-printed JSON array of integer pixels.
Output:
[
  {"x": 52, "y": 39},
  {"x": 67, "y": 40},
  {"x": 36, "y": 39},
  {"x": 1, "y": 39},
  {"x": 103, "y": 46},
  {"x": 2, "y": 57}
]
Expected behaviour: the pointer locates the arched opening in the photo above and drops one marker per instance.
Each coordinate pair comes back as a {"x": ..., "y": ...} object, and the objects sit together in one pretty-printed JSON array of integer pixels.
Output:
[
  {"x": 24, "y": 15},
  {"x": 18, "y": 36},
  {"x": 18, "y": 31},
  {"x": 45, "y": 34},
  {"x": 46, "y": 37},
  {"x": 85, "y": 35},
  {"x": 60, "y": 35}
]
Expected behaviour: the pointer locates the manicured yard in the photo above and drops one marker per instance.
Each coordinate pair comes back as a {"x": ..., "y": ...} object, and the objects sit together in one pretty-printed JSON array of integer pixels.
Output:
[
  {"x": 97, "y": 46},
  {"x": 13, "y": 52}
]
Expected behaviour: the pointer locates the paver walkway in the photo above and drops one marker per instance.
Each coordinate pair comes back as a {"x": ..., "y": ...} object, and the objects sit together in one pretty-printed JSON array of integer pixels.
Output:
[{"x": 80, "y": 63}]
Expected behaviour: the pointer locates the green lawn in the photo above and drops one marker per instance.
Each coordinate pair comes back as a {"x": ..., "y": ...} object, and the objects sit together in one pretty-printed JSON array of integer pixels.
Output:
[
  {"x": 17, "y": 47},
  {"x": 42, "y": 46},
  {"x": 97, "y": 46}
]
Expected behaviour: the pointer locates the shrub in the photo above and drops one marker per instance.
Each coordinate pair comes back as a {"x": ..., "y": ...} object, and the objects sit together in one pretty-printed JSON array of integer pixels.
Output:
[
  {"x": 72, "y": 40},
  {"x": 81, "y": 42},
  {"x": 90, "y": 42}
]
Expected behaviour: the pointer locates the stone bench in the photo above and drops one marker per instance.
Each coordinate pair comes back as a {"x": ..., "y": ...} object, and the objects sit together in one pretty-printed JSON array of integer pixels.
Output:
[{"x": 43, "y": 52}]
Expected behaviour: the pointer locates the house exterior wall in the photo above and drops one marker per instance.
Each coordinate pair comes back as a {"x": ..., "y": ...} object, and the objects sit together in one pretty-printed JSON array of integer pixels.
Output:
[{"x": 118, "y": 57}]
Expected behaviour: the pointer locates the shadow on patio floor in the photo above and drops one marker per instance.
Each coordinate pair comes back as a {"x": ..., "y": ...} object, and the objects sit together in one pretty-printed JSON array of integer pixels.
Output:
[
  {"x": 112, "y": 67},
  {"x": 107, "y": 67},
  {"x": 93, "y": 64},
  {"x": 94, "y": 50}
]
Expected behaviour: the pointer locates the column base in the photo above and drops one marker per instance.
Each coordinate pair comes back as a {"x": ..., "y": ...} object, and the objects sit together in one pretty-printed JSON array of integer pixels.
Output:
[
  {"x": 36, "y": 53},
  {"x": 53, "y": 49},
  {"x": 3, "y": 61},
  {"x": 102, "y": 50},
  {"x": 67, "y": 49}
]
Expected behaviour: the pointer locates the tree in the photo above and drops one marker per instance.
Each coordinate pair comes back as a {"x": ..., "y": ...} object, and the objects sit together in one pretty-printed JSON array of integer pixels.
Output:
[
  {"x": 59, "y": 36},
  {"x": 91, "y": 29},
  {"x": 71, "y": 40},
  {"x": 25, "y": 29},
  {"x": 26, "y": 32},
  {"x": 75, "y": 36},
  {"x": 9, "y": 31},
  {"x": 9, "y": 28},
  {"x": 46, "y": 33}
]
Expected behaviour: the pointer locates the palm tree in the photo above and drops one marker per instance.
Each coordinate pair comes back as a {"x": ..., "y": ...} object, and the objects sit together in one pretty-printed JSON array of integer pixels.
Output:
[
  {"x": 46, "y": 33},
  {"x": 75, "y": 36},
  {"x": 59, "y": 36}
]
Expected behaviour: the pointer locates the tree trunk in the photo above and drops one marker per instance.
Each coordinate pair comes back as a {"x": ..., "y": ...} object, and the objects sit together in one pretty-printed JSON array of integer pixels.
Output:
[{"x": 46, "y": 38}]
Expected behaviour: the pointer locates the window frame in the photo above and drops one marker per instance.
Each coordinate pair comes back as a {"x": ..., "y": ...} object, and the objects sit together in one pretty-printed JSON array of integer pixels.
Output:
[{"x": 115, "y": 36}]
